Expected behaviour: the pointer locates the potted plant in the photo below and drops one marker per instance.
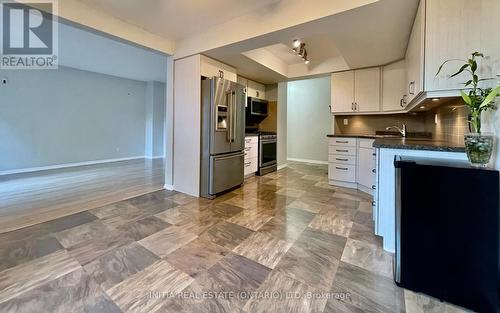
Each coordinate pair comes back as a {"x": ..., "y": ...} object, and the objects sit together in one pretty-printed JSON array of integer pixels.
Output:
[{"x": 479, "y": 146}]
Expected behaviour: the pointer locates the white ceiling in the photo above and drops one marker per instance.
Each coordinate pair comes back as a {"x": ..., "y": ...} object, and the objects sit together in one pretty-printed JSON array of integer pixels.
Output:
[
  {"x": 371, "y": 35},
  {"x": 177, "y": 19},
  {"x": 285, "y": 53}
]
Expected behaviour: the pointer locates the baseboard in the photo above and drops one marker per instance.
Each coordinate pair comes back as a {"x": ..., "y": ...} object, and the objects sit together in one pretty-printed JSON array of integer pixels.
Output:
[
  {"x": 155, "y": 157},
  {"x": 66, "y": 165},
  {"x": 169, "y": 187},
  {"x": 282, "y": 166},
  {"x": 343, "y": 184},
  {"x": 308, "y": 161}
]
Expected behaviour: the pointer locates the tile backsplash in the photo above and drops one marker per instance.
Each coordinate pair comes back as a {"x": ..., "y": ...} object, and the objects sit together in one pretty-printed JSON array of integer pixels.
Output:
[
  {"x": 449, "y": 123},
  {"x": 446, "y": 123}
]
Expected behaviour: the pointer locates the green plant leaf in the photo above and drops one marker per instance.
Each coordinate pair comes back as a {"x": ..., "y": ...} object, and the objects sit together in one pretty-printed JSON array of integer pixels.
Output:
[
  {"x": 493, "y": 94},
  {"x": 468, "y": 83},
  {"x": 466, "y": 98},
  {"x": 478, "y": 54},
  {"x": 460, "y": 70},
  {"x": 473, "y": 66},
  {"x": 451, "y": 60}
]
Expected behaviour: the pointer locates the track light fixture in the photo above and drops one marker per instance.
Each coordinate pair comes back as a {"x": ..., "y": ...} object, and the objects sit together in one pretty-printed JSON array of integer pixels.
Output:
[{"x": 300, "y": 48}]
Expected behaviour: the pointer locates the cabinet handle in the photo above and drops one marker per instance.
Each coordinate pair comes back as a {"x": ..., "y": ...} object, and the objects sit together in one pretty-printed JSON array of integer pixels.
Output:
[
  {"x": 410, "y": 90},
  {"x": 221, "y": 74},
  {"x": 352, "y": 106},
  {"x": 342, "y": 168},
  {"x": 342, "y": 150},
  {"x": 374, "y": 187},
  {"x": 374, "y": 171},
  {"x": 344, "y": 160},
  {"x": 374, "y": 203},
  {"x": 356, "y": 106},
  {"x": 401, "y": 103},
  {"x": 341, "y": 141},
  {"x": 248, "y": 164}
]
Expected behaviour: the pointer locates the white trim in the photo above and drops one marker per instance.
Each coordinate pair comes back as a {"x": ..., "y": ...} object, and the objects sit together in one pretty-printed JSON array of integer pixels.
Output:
[
  {"x": 155, "y": 157},
  {"x": 169, "y": 187},
  {"x": 308, "y": 161},
  {"x": 282, "y": 166},
  {"x": 66, "y": 165}
]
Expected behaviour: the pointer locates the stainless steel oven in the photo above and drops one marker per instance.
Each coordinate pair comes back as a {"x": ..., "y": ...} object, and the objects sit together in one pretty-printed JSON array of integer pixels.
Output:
[{"x": 268, "y": 144}]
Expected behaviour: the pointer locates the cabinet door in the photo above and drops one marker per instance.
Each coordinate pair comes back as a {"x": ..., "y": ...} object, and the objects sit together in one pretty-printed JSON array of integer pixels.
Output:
[
  {"x": 342, "y": 92},
  {"x": 415, "y": 55},
  {"x": 211, "y": 68},
  {"x": 256, "y": 90},
  {"x": 453, "y": 32},
  {"x": 366, "y": 166},
  {"x": 393, "y": 86},
  {"x": 490, "y": 24},
  {"x": 367, "y": 90}
]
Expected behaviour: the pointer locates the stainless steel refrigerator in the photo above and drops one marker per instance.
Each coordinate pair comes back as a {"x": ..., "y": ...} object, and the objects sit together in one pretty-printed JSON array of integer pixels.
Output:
[{"x": 223, "y": 136}]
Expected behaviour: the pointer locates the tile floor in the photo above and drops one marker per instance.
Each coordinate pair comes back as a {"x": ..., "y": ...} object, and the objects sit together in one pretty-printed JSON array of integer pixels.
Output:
[{"x": 286, "y": 242}]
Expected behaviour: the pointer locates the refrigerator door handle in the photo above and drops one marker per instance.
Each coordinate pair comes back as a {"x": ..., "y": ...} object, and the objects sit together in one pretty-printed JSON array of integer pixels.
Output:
[
  {"x": 230, "y": 115},
  {"x": 232, "y": 156},
  {"x": 233, "y": 101}
]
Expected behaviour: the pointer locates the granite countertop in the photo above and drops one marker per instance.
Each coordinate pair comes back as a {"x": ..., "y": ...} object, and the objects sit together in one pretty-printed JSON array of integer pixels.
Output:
[
  {"x": 418, "y": 144},
  {"x": 352, "y": 136},
  {"x": 408, "y": 143}
]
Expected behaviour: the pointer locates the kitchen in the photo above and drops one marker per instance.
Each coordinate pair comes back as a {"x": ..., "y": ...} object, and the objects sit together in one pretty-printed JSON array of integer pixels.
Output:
[{"x": 309, "y": 148}]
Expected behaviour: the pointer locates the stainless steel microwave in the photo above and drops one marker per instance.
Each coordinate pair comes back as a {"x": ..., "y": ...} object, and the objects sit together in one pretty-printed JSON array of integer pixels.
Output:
[{"x": 257, "y": 107}]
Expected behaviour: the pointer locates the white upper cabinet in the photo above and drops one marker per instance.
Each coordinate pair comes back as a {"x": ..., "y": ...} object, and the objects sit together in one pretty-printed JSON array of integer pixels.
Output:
[
  {"x": 415, "y": 55},
  {"x": 256, "y": 90},
  {"x": 456, "y": 29},
  {"x": 367, "y": 90},
  {"x": 342, "y": 92},
  {"x": 394, "y": 87},
  {"x": 356, "y": 91},
  {"x": 211, "y": 68}
]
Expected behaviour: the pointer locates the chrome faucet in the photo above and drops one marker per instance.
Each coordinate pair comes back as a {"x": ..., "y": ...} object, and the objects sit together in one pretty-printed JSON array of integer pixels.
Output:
[{"x": 402, "y": 130}]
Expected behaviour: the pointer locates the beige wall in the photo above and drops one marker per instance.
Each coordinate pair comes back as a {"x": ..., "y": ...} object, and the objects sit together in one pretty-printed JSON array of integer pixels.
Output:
[{"x": 270, "y": 123}]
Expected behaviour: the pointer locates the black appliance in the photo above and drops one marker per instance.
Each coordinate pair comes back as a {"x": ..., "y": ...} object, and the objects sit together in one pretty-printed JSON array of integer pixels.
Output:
[
  {"x": 447, "y": 232},
  {"x": 268, "y": 144},
  {"x": 257, "y": 110}
]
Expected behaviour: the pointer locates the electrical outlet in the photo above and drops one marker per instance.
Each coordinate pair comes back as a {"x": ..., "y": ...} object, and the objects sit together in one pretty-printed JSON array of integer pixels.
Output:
[
  {"x": 346, "y": 121},
  {"x": 5, "y": 81}
]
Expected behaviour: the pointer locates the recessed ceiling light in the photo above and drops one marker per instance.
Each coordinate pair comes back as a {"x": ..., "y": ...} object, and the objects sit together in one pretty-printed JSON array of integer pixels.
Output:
[
  {"x": 435, "y": 99},
  {"x": 296, "y": 43}
]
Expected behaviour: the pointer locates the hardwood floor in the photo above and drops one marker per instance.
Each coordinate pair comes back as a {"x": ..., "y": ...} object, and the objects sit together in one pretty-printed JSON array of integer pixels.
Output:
[
  {"x": 32, "y": 198},
  {"x": 287, "y": 242}
]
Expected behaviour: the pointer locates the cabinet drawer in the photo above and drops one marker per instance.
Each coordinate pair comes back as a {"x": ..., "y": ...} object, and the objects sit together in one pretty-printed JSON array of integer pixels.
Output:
[
  {"x": 250, "y": 166},
  {"x": 342, "y": 159},
  {"x": 341, "y": 150},
  {"x": 341, "y": 141},
  {"x": 342, "y": 172},
  {"x": 366, "y": 143},
  {"x": 251, "y": 151}
]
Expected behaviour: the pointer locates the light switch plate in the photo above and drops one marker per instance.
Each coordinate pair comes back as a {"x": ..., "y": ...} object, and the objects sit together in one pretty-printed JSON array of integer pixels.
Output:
[{"x": 346, "y": 121}]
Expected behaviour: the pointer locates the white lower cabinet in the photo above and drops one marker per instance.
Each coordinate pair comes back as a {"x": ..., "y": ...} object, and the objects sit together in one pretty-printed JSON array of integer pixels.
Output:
[
  {"x": 251, "y": 164},
  {"x": 352, "y": 163}
]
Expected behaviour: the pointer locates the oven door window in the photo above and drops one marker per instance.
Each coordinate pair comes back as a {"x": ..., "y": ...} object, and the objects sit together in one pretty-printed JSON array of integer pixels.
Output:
[{"x": 268, "y": 155}]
